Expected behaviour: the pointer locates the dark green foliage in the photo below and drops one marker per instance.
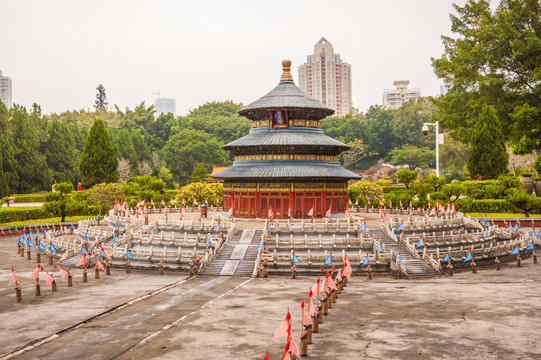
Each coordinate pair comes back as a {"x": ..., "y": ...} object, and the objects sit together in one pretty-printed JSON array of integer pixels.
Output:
[
  {"x": 493, "y": 60},
  {"x": 12, "y": 214},
  {"x": 537, "y": 165},
  {"x": 61, "y": 151},
  {"x": 407, "y": 177},
  {"x": 22, "y": 198},
  {"x": 101, "y": 98},
  {"x": 104, "y": 195},
  {"x": 469, "y": 205},
  {"x": 488, "y": 158},
  {"x": 522, "y": 200},
  {"x": 199, "y": 174},
  {"x": 59, "y": 203},
  {"x": 189, "y": 147},
  {"x": 98, "y": 161},
  {"x": 412, "y": 156},
  {"x": 396, "y": 196},
  {"x": 4, "y": 188}
]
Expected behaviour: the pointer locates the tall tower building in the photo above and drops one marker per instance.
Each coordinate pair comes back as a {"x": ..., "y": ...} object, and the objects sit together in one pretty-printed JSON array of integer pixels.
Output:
[
  {"x": 393, "y": 99},
  {"x": 164, "y": 106},
  {"x": 326, "y": 78},
  {"x": 5, "y": 90}
]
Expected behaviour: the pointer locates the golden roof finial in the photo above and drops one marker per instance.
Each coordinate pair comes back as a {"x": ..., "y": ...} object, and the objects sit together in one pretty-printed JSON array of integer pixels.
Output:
[{"x": 286, "y": 74}]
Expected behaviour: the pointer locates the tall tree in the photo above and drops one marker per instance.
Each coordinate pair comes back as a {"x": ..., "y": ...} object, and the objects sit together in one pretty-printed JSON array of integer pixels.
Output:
[
  {"x": 493, "y": 60},
  {"x": 101, "y": 98},
  {"x": 488, "y": 157},
  {"x": 99, "y": 163},
  {"x": 61, "y": 152},
  {"x": 413, "y": 156}
]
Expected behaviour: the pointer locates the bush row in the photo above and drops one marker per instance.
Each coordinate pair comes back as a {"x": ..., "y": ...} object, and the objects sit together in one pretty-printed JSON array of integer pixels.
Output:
[
  {"x": 468, "y": 205},
  {"x": 22, "y": 214},
  {"x": 24, "y": 198}
]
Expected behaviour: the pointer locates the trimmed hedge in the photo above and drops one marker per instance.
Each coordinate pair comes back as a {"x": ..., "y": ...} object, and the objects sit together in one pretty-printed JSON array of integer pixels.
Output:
[
  {"x": 469, "y": 205},
  {"x": 24, "y": 198},
  {"x": 22, "y": 214}
]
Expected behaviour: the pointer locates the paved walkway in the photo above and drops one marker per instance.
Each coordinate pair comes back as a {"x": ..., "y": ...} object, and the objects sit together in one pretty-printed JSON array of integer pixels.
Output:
[{"x": 12, "y": 205}]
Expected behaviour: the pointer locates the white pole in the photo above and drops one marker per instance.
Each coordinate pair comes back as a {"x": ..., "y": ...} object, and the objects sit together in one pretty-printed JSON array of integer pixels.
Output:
[{"x": 437, "y": 149}]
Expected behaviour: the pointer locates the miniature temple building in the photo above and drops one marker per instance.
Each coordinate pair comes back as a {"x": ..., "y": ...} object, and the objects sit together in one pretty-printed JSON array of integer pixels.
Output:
[{"x": 285, "y": 163}]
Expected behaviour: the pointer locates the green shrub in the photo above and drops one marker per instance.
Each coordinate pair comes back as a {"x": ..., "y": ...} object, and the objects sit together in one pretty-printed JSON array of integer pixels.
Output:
[
  {"x": 22, "y": 214},
  {"x": 25, "y": 198},
  {"x": 468, "y": 205}
]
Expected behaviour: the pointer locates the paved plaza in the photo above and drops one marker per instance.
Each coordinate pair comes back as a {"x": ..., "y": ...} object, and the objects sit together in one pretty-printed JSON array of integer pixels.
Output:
[{"x": 490, "y": 315}]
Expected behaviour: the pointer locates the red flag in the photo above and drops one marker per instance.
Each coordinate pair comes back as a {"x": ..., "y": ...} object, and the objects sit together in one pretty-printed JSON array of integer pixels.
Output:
[
  {"x": 411, "y": 211},
  {"x": 311, "y": 212},
  {"x": 401, "y": 204},
  {"x": 105, "y": 253},
  {"x": 283, "y": 328},
  {"x": 315, "y": 288},
  {"x": 311, "y": 307},
  {"x": 380, "y": 211},
  {"x": 195, "y": 202},
  {"x": 328, "y": 213},
  {"x": 391, "y": 203},
  {"x": 357, "y": 202},
  {"x": 35, "y": 273},
  {"x": 82, "y": 261},
  {"x": 427, "y": 217},
  {"x": 163, "y": 202},
  {"x": 171, "y": 201},
  {"x": 63, "y": 272},
  {"x": 270, "y": 213},
  {"x": 330, "y": 282},
  {"x": 346, "y": 213},
  {"x": 349, "y": 201},
  {"x": 306, "y": 319},
  {"x": 99, "y": 266},
  {"x": 380, "y": 202},
  {"x": 14, "y": 278},
  {"x": 230, "y": 211},
  {"x": 49, "y": 278},
  {"x": 286, "y": 356},
  {"x": 182, "y": 210},
  {"x": 453, "y": 209},
  {"x": 152, "y": 201},
  {"x": 289, "y": 212},
  {"x": 433, "y": 212},
  {"x": 266, "y": 357}
]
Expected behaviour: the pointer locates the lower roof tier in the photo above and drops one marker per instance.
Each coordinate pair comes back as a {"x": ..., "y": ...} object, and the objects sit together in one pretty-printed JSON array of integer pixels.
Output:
[
  {"x": 291, "y": 140},
  {"x": 288, "y": 169}
]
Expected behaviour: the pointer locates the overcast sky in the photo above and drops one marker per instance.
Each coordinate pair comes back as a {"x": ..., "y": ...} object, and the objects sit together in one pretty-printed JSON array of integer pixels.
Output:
[{"x": 57, "y": 52}]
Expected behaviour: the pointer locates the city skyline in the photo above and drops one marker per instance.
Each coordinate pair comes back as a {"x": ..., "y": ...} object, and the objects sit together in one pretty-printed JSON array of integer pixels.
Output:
[{"x": 209, "y": 51}]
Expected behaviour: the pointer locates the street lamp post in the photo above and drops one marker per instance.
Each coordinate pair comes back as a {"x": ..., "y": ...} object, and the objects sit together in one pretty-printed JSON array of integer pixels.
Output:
[{"x": 425, "y": 132}]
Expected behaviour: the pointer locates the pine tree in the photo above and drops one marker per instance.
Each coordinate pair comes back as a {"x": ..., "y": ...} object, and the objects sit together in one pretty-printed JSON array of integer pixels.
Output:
[
  {"x": 199, "y": 174},
  {"x": 488, "y": 157},
  {"x": 4, "y": 188},
  {"x": 99, "y": 163}
]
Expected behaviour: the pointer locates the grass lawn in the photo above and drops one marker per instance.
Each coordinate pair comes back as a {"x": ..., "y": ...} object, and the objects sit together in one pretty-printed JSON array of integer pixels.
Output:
[{"x": 47, "y": 221}]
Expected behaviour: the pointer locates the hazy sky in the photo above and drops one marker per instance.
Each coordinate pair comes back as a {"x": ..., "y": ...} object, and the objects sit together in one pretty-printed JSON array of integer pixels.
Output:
[{"x": 57, "y": 52}]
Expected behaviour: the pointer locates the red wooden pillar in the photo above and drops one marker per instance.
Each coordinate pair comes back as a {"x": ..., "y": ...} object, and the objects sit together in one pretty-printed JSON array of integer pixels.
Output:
[
  {"x": 258, "y": 204},
  {"x": 235, "y": 211},
  {"x": 292, "y": 202}
]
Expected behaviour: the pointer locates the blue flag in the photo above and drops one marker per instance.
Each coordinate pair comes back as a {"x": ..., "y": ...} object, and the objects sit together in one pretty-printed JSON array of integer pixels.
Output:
[
  {"x": 114, "y": 238},
  {"x": 362, "y": 227},
  {"x": 98, "y": 217},
  {"x": 515, "y": 251},
  {"x": 41, "y": 247},
  {"x": 365, "y": 261},
  {"x": 468, "y": 257},
  {"x": 532, "y": 233},
  {"x": 208, "y": 242},
  {"x": 268, "y": 228},
  {"x": 489, "y": 224},
  {"x": 102, "y": 254},
  {"x": 260, "y": 246},
  {"x": 45, "y": 231},
  {"x": 400, "y": 260},
  {"x": 129, "y": 255},
  {"x": 84, "y": 250},
  {"x": 400, "y": 227},
  {"x": 19, "y": 240},
  {"x": 445, "y": 258},
  {"x": 530, "y": 246},
  {"x": 296, "y": 259},
  {"x": 420, "y": 243},
  {"x": 483, "y": 222},
  {"x": 510, "y": 226},
  {"x": 539, "y": 235},
  {"x": 379, "y": 248},
  {"x": 37, "y": 234},
  {"x": 218, "y": 227},
  {"x": 116, "y": 224},
  {"x": 86, "y": 235},
  {"x": 32, "y": 235},
  {"x": 515, "y": 228},
  {"x": 328, "y": 261},
  {"x": 72, "y": 227},
  {"x": 30, "y": 244},
  {"x": 52, "y": 249}
]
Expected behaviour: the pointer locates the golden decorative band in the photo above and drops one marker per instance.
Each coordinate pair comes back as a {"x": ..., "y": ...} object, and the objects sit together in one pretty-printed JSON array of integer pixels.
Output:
[
  {"x": 292, "y": 122},
  {"x": 285, "y": 186},
  {"x": 286, "y": 157}
]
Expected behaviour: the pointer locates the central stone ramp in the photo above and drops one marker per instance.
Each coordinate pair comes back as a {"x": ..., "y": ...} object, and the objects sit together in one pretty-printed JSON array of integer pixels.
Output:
[
  {"x": 237, "y": 257},
  {"x": 415, "y": 268}
]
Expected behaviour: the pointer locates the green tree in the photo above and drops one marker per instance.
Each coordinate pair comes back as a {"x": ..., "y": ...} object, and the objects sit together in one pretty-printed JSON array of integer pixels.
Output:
[
  {"x": 488, "y": 157},
  {"x": 98, "y": 161},
  {"x": 407, "y": 177},
  {"x": 61, "y": 152},
  {"x": 522, "y": 200},
  {"x": 4, "y": 188},
  {"x": 8, "y": 165},
  {"x": 101, "y": 98},
  {"x": 453, "y": 157},
  {"x": 365, "y": 190},
  {"x": 189, "y": 147},
  {"x": 104, "y": 195},
  {"x": 199, "y": 174},
  {"x": 493, "y": 60},
  {"x": 412, "y": 156},
  {"x": 352, "y": 157},
  {"x": 59, "y": 202}
]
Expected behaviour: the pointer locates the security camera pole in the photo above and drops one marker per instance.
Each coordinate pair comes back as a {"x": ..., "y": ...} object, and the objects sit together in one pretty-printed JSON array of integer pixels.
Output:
[{"x": 425, "y": 132}]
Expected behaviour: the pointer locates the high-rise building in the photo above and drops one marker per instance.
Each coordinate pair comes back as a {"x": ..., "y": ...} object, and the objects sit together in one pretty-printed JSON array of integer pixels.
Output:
[
  {"x": 164, "y": 106},
  {"x": 5, "y": 90},
  {"x": 393, "y": 99},
  {"x": 327, "y": 78}
]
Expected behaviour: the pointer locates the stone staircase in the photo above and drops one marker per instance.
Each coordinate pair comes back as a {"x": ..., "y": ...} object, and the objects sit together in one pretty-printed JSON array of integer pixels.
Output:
[
  {"x": 415, "y": 268},
  {"x": 237, "y": 257}
]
